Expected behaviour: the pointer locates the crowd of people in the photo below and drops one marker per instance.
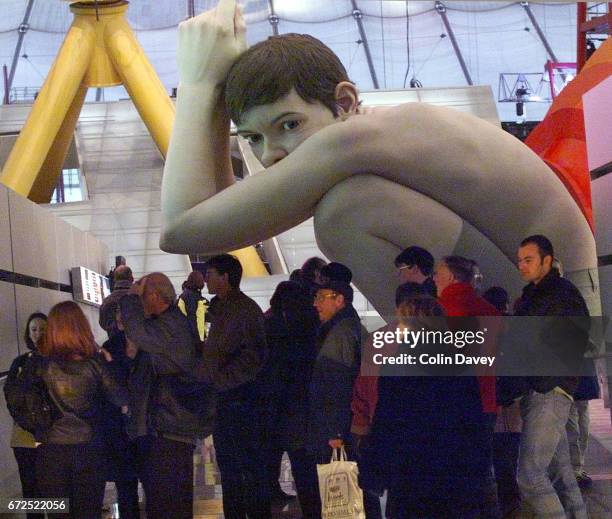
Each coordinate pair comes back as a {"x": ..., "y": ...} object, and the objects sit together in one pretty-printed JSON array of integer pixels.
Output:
[{"x": 288, "y": 380}]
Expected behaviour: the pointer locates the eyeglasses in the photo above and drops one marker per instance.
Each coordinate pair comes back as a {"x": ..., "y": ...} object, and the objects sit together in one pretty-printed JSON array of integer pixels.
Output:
[
  {"x": 399, "y": 269},
  {"x": 319, "y": 298}
]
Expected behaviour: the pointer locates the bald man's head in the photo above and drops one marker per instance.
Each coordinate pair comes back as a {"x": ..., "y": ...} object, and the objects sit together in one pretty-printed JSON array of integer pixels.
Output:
[
  {"x": 123, "y": 273},
  {"x": 158, "y": 293}
]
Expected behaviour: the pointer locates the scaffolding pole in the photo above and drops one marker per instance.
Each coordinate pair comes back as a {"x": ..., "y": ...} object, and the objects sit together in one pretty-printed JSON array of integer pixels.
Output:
[
  {"x": 441, "y": 9},
  {"x": 273, "y": 18},
  {"x": 543, "y": 39},
  {"x": 358, "y": 16},
  {"x": 23, "y": 28}
]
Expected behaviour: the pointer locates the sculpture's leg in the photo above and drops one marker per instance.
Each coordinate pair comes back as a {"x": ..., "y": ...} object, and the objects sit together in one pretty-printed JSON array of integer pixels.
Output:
[
  {"x": 367, "y": 236},
  {"x": 50, "y": 109}
]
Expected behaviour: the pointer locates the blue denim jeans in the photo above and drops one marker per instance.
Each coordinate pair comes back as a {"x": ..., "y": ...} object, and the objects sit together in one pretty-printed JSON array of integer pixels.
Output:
[{"x": 545, "y": 475}]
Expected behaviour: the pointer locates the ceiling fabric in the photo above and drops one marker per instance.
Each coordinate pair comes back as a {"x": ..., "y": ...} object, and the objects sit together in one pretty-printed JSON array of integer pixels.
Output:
[{"x": 407, "y": 39}]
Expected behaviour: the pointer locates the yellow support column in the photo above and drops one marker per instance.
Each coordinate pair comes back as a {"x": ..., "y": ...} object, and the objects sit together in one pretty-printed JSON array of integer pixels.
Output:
[
  {"x": 252, "y": 266},
  {"x": 140, "y": 80},
  {"x": 99, "y": 50},
  {"x": 49, "y": 110},
  {"x": 42, "y": 189}
]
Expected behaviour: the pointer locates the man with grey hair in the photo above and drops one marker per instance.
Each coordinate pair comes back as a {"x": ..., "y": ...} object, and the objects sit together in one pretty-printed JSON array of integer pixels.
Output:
[{"x": 175, "y": 409}]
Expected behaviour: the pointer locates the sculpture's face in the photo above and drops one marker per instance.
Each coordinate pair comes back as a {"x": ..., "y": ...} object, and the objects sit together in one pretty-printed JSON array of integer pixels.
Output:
[{"x": 275, "y": 130}]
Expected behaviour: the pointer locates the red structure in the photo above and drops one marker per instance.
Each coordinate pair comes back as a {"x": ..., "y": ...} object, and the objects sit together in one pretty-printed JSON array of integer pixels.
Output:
[
  {"x": 599, "y": 24},
  {"x": 560, "y": 138}
]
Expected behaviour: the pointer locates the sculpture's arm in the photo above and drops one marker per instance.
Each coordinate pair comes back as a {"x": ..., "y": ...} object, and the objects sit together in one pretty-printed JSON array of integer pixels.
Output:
[
  {"x": 198, "y": 164},
  {"x": 481, "y": 173},
  {"x": 259, "y": 206}
]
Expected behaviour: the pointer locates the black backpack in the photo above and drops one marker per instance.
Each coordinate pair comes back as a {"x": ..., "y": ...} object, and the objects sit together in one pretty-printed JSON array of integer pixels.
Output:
[{"x": 27, "y": 396}]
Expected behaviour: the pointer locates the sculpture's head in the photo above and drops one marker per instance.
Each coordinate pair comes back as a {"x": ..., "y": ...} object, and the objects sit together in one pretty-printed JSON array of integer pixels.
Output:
[{"x": 284, "y": 89}]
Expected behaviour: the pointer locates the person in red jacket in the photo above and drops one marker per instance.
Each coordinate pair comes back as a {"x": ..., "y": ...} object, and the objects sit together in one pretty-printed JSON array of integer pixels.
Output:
[{"x": 455, "y": 277}]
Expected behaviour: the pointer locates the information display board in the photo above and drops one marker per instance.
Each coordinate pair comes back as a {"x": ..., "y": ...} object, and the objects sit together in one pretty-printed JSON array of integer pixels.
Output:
[{"x": 88, "y": 286}]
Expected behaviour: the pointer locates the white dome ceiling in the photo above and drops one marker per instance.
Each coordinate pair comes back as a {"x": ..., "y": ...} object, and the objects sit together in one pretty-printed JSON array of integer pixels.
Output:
[{"x": 494, "y": 38}]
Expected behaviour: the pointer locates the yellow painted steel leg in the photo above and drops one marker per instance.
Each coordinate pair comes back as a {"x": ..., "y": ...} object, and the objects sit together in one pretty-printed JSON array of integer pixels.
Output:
[
  {"x": 96, "y": 39},
  {"x": 45, "y": 183},
  {"x": 49, "y": 110},
  {"x": 141, "y": 81},
  {"x": 252, "y": 266}
]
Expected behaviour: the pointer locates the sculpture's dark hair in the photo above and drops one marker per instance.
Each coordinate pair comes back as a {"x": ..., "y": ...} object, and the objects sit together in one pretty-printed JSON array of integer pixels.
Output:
[{"x": 270, "y": 69}]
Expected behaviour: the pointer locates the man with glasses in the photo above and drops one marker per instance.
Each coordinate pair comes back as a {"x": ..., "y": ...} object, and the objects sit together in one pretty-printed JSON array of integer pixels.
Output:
[
  {"x": 414, "y": 265},
  {"x": 336, "y": 367}
]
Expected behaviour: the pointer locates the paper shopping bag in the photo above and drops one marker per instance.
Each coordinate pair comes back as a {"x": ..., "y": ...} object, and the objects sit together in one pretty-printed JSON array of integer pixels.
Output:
[{"x": 341, "y": 497}]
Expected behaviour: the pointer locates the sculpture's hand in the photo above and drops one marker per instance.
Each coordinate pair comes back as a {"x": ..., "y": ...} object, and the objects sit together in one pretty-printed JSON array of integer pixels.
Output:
[{"x": 210, "y": 43}]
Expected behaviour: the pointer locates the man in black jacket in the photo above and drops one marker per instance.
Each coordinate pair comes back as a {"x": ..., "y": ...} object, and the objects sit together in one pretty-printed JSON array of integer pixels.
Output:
[
  {"x": 232, "y": 358},
  {"x": 334, "y": 372},
  {"x": 544, "y": 454},
  {"x": 175, "y": 404},
  {"x": 123, "y": 279}
]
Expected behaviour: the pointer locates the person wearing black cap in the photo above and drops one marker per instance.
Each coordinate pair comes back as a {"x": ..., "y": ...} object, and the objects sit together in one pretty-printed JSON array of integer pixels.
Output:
[
  {"x": 335, "y": 369},
  {"x": 336, "y": 366},
  {"x": 335, "y": 271}
]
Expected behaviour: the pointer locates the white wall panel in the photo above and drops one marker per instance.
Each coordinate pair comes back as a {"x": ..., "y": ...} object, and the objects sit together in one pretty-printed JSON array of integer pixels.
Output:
[
  {"x": 601, "y": 193},
  {"x": 6, "y": 256},
  {"x": 8, "y": 328},
  {"x": 67, "y": 256}
]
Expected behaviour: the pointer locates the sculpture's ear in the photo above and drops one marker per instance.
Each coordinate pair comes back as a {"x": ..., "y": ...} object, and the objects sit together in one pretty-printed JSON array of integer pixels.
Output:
[{"x": 347, "y": 98}]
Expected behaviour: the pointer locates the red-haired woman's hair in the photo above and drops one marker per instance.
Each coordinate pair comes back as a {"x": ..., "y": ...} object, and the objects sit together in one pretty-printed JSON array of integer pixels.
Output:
[{"x": 68, "y": 334}]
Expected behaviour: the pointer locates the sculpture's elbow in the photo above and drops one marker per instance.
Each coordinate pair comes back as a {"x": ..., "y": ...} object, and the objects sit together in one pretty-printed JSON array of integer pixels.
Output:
[{"x": 168, "y": 240}]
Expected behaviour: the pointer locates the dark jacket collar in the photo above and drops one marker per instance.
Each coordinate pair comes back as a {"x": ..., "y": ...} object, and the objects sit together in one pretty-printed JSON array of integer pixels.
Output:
[
  {"x": 430, "y": 287},
  {"x": 544, "y": 285},
  {"x": 348, "y": 312}
]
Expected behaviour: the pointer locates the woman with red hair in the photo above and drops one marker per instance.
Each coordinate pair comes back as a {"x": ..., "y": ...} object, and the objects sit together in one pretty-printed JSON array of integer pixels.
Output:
[{"x": 70, "y": 461}]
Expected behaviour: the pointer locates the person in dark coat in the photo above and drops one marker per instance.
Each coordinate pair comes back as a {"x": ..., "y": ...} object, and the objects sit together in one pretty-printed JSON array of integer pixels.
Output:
[
  {"x": 178, "y": 408},
  {"x": 123, "y": 279},
  {"x": 335, "y": 370},
  {"x": 232, "y": 359},
  {"x": 562, "y": 330},
  {"x": 425, "y": 441},
  {"x": 23, "y": 442},
  {"x": 291, "y": 328},
  {"x": 120, "y": 451},
  {"x": 70, "y": 459}
]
